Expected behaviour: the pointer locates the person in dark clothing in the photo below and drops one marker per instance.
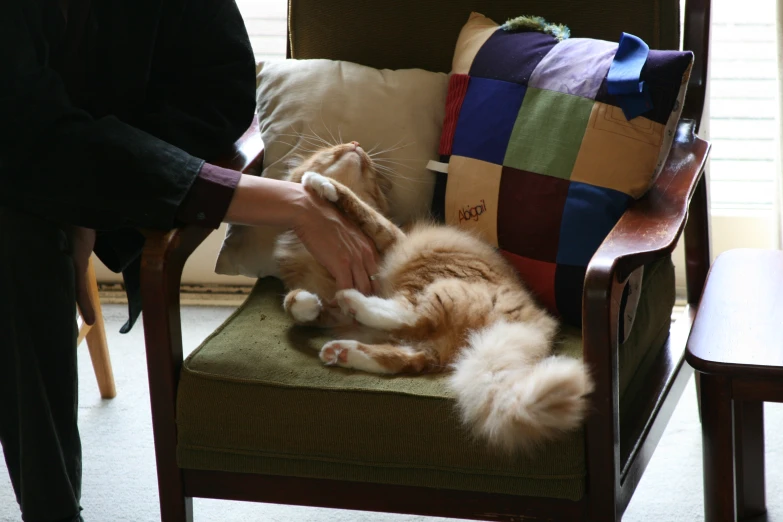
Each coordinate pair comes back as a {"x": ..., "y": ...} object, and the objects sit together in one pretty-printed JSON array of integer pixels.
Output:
[{"x": 110, "y": 113}]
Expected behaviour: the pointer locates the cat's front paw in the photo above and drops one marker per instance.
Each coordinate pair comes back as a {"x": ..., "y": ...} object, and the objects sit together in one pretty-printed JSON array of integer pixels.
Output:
[
  {"x": 303, "y": 306},
  {"x": 321, "y": 185},
  {"x": 350, "y": 301}
]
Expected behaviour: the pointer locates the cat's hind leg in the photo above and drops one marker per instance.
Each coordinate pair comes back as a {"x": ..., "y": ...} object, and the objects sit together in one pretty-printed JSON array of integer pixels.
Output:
[
  {"x": 378, "y": 358},
  {"x": 376, "y": 312}
]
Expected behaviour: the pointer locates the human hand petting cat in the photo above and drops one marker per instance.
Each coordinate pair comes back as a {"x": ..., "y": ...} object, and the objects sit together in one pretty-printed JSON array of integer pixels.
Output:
[
  {"x": 82, "y": 243},
  {"x": 338, "y": 244},
  {"x": 334, "y": 241}
]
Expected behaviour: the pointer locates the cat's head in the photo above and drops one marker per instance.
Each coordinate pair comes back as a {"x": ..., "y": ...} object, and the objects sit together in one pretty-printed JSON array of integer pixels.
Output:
[{"x": 349, "y": 164}]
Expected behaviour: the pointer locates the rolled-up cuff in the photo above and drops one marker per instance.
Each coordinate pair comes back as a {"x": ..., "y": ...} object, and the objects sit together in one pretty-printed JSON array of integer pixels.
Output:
[{"x": 210, "y": 195}]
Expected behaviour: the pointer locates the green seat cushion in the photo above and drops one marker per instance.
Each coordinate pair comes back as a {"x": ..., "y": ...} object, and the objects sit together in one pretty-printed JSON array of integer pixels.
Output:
[{"x": 255, "y": 398}]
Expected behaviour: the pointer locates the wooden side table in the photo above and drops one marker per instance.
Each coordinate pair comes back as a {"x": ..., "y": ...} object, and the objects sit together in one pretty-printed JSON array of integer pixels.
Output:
[{"x": 736, "y": 345}]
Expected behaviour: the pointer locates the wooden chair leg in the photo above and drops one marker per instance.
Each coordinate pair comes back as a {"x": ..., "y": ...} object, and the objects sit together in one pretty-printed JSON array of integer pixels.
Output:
[
  {"x": 749, "y": 458},
  {"x": 97, "y": 344},
  {"x": 717, "y": 447}
]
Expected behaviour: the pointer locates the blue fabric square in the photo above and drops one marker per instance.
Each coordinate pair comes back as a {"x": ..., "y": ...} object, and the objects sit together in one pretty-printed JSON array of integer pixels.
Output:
[
  {"x": 589, "y": 215},
  {"x": 487, "y": 119}
]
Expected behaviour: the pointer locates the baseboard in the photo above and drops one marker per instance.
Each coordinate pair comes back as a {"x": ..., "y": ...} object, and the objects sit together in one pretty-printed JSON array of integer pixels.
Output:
[{"x": 190, "y": 295}]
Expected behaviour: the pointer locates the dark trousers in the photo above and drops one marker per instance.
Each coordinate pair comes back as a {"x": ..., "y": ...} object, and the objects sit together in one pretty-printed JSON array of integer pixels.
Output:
[{"x": 38, "y": 373}]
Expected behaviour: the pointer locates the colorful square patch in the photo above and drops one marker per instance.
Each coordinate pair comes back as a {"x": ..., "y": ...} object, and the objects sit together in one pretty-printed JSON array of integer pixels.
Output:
[
  {"x": 548, "y": 133},
  {"x": 589, "y": 215},
  {"x": 539, "y": 277},
  {"x": 472, "y": 196},
  {"x": 511, "y": 56},
  {"x": 617, "y": 153},
  {"x": 530, "y": 213},
  {"x": 486, "y": 119}
]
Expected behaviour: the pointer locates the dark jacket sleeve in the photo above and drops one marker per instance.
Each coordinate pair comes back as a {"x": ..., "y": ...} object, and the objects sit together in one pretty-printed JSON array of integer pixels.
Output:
[{"x": 59, "y": 162}]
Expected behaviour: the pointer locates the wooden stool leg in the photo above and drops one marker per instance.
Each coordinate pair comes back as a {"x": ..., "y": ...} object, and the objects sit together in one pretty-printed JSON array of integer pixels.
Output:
[
  {"x": 97, "y": 344},
  {"x": 749, "y": 458},
  {"x": 717, "y": 446}
]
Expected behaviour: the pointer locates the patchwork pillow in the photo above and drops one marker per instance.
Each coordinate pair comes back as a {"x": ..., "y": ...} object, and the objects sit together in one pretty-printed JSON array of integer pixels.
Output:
[
  {"x": 306, "y": 104},
  {"x": 549, "y": 139}
]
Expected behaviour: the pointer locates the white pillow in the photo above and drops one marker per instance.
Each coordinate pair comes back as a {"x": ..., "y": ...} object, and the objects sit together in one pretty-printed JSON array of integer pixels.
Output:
[{"x": 301, "y": 102}]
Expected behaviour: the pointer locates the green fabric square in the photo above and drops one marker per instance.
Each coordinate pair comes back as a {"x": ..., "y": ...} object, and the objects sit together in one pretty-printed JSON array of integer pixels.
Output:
[{"x": 548, "y": 133}]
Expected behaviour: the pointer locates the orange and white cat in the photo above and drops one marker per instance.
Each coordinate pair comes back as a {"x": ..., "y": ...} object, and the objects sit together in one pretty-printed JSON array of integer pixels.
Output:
[{"x": 447, "y": 302}]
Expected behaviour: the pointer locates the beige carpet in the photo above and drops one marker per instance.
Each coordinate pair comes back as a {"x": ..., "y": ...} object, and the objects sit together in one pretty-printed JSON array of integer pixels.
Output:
[{"x": 119, "y": 462}]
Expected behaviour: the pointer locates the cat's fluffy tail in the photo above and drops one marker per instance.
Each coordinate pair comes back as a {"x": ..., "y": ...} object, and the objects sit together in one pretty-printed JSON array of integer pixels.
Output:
[{"x": 512, "y": 393}]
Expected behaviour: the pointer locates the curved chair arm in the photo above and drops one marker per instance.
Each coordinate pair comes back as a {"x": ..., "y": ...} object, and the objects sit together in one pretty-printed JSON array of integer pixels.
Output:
[
  {"x": 649, "y": 230},
  {"x": 162, "y": 262}
]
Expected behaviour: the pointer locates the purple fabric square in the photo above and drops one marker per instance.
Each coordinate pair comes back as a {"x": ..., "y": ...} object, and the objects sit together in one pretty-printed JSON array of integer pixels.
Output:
[
  {"x": 575, "y": 66},
  {"x": 589, "y": 215},
  {"x": 486, "y": 119},
  {"x": 663, "y": 74},
  {"x": 511, "y": 56}
]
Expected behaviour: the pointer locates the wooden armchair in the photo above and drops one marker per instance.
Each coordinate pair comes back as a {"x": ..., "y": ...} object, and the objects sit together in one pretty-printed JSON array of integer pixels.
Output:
[{"x": 618, "y": 441}]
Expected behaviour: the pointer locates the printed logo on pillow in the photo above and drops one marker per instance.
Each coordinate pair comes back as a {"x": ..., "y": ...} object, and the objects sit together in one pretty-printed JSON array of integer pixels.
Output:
[{"x": 472, "y": 213}]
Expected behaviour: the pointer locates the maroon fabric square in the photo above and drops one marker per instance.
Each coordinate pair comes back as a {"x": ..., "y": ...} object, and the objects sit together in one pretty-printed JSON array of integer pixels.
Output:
[
  {"x": 530, "y": 211},
  {"x": 458, "y": 87}
]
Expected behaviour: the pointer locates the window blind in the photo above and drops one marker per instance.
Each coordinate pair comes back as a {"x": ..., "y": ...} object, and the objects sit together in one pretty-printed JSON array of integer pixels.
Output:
[
  {"x": 266, "y": 22},
  {"x": 743, "y": 108}
]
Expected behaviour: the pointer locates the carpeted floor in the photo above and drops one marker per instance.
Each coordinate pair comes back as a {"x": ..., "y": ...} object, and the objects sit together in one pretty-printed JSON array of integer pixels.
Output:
[{"x": 119, "y": 463}]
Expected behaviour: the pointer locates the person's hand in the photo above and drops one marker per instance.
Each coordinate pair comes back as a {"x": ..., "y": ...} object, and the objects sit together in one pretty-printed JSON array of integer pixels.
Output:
[
  {"x": 337, "y": 244},
  {"x": 82, "y": 243}
]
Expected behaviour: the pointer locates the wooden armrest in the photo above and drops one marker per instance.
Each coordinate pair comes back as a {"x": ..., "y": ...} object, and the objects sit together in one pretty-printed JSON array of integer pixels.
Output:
[
  {"x": 248, "y": 150},
  {"x": 162, "y": 262},
  {"x": 647, "y": 231},
  {"x": 650, "y": 228}
]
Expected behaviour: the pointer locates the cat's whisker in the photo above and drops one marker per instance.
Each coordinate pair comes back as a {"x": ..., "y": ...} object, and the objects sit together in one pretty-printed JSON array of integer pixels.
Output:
[
  {"x": 397, "y": 146},
  {"x": 324, "y": 140},
  {"x": 305, "y": 139},
  {"x": 396, "y": 158},
  {"x": 316, "y": 141},
  {"x": 314, "y": 136},
  {"x": 294, "y": 145},
  {"x": 393, "y": 162},
  {"x": 321, "y": 114},
  {"x": 369, "y": 152}
]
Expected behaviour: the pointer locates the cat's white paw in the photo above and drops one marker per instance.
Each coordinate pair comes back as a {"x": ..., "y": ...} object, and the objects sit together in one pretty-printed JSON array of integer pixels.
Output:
[
  {"x": 303, "y": 306},
  {"x": 350, "y": 302},
  {"x": 373, "y": 311},
  {"x": 321, "y": 185},
  {"x": 347, "y": 354},
  {"x": 335, "y": 353}
]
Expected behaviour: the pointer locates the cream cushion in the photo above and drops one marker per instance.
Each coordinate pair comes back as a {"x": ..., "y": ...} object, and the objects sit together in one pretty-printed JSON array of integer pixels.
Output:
[{"x": 302, "y": 103}]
